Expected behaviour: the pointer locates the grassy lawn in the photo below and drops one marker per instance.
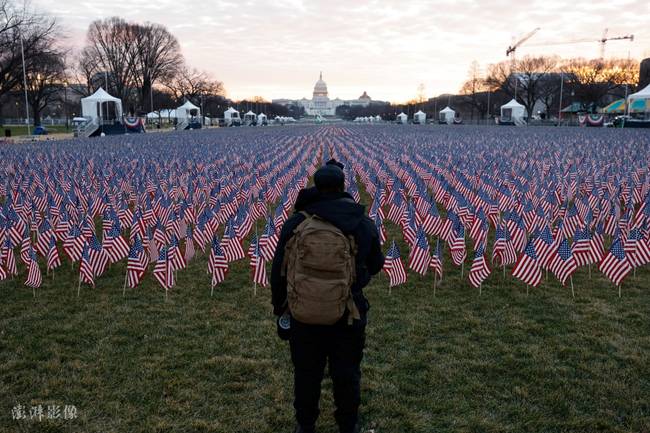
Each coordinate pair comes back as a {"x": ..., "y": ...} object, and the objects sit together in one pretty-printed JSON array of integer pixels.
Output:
[
  {"x": 508, "y": 360},
  {"x": 502, "y": 361},
  {"x": 17, "y": 130}
]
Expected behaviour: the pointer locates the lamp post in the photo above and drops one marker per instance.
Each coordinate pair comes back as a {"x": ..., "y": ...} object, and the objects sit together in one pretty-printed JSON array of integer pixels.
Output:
[
  {"x": 559, "y": 111},
  {"x": 22, "y": 54},
  {"x": 65, "y": 103}
]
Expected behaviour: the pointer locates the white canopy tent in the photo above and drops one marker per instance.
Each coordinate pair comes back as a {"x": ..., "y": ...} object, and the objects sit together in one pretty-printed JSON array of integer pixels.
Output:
[
  {"x": 250, "y": 117},
  {"x": 185, "y": 110},
  {"x": 420, "y": 117},
  {"x": 231, "y": 116},
  {"x": 262, "y": 119},
  {"x": 446, "y": 115},
  {"x": 639, "y": 102},
  {"x": 165, "y": 114},
  {"x": 96, "y": 106},
  {"x": 641, "y": 94},
  {"x": 514, "y": 112},
  {"x": 377, "y": 118},
  {"x": 402, "y": 118}
]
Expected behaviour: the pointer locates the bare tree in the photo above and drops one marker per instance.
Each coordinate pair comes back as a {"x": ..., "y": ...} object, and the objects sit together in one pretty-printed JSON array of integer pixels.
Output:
[
  {"x": 111, "y": 45},
  {"x": 85, "y": 72},
  {"x": 593, "y": 80},
  {"x": 190, "y": 84},
  {"x": 474, "y": 88},
  {"x": 44, "y": 82},
  {"x": 158, "y": 57},
  {"x": 38, "y": 34},
  {"x": 522, "y": 79}
]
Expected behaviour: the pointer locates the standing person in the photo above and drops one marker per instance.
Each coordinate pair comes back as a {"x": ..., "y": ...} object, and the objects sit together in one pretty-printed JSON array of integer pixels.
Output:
[{"x": 326, "y": 254}]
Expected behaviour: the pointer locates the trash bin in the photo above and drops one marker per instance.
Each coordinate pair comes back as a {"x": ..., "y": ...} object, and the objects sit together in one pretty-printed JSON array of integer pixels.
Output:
[{"x": 7, "y": 132}]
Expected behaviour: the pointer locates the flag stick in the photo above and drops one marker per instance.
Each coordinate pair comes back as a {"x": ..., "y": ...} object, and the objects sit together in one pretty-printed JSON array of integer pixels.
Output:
[
  {"x": 79, "y": 286},
  {"x": 34, "y": 291},
  {"x": 504, "y": 271},
  {"x": 435, "y": 277},
  {"x": 166, "y": 290},
  {"x": 212, "y": 290},
  {"x": 526, "y": 289},
  {"x": 124, "y": 288},
  {"x": 572, "y": 292},
  {"x": 257, "y": 260},
  {"x": 480, "y": 290},
  {"x": 619, "y": 290},
  {"x": 462, "y": 269},
  {"x": 590, "y": 271}
]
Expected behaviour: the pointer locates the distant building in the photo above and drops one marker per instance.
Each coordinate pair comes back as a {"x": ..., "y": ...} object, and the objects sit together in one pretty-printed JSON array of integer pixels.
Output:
[{"x": 321, "y": 104}]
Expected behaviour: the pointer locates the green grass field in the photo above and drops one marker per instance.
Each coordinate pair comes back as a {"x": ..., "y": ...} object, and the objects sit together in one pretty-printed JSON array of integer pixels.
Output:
[
  {"x": 507, "y": 360},
  {"x": 18, "y": 130}
]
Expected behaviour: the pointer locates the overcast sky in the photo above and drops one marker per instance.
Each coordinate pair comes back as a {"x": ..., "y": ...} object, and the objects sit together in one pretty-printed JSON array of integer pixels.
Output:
[{"x": 276, "y": 48}]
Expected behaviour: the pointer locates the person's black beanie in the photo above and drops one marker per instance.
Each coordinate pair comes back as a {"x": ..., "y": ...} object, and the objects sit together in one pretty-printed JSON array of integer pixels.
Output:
[{"x": 329, "y": 176}]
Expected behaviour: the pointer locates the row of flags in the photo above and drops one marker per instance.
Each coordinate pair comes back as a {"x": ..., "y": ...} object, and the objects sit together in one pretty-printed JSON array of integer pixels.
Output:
[{"x": 548, "y": 202}]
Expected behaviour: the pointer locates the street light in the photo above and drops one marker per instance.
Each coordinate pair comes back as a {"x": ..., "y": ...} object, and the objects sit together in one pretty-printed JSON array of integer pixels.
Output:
[
  {"x": 22, "y": 53},
  {"x": 65, "y": 103}
]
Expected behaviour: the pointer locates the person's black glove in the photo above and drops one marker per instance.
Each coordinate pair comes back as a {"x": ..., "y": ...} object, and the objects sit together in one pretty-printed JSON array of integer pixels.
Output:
[{"x": 283, "y": 325}]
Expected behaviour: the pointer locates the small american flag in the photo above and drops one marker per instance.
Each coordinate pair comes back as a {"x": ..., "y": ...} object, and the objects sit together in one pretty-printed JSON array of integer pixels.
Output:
[
  {"x": 615, "y": 264},
  {"x": 436, "y": 260},
  {"x": 258, "y": 266},
  {"x": 137, "y": 263},
  {"x": 479, "y": 270},
  {"x": 393, "y": 266},
  {"x": 528, "y": 268},
  {"x": 420, "y": 256},
  {"x": 34, "y": 277},
  {"x": 217, "y": 264},
  {"x": 115, "y": 245},
  {"x": 86, "y": 272},
  {"x": 163, "y": 271},
  {"x": 562, "y": 263},
  {"x": 53, "y": 259}
]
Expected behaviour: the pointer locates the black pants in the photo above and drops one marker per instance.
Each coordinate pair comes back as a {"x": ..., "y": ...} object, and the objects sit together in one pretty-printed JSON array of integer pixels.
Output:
[{"x": 311, "y": 347}]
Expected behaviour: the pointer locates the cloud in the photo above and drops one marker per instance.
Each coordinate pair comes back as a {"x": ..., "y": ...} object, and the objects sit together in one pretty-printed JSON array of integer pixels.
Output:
[{"x": 276, "y": 49}]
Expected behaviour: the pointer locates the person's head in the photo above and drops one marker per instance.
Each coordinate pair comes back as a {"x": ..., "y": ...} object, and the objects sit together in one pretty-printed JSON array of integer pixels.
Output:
[{"x": 330, "y": 177}]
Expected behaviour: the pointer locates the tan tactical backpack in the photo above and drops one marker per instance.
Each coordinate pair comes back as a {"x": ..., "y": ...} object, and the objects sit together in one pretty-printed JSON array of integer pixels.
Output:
[{"x": 320, "y": 270}]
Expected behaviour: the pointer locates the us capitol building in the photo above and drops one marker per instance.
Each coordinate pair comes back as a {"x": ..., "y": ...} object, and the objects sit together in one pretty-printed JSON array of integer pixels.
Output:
[{"x": 321, "y": 104}]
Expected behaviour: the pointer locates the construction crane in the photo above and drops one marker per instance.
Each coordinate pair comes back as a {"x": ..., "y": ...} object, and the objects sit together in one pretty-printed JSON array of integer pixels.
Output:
[
  {"x": 512, "y": 49},
  {"x": 604, "y": 40}
]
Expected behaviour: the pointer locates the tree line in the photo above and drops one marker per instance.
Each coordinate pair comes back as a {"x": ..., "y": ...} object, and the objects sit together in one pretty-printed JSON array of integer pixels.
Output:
[{"x": 140, "y": 63}]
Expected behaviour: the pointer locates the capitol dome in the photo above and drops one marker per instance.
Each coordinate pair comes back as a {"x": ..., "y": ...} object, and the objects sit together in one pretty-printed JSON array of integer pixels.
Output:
[{"x": 320, "y": 88}]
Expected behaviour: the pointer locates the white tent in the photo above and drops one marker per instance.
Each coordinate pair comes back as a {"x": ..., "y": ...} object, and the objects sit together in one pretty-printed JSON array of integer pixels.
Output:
[
  {"x": 262, "y": 119},
  {"x": 378, "y": 118},
  {"x": 641, "y": 94},
  {"x": 231, "y": 117},
  {"x": 96, "y": 106},
  {"x": 402, "y": 118},
  {"x": 446, "y": 115},
  {"x": 185, "y": 110},
  {"x": 165, "y": 114},
  {"x": 639, "y": 102},
  {"x": 249, "y": 117},
  {"x": 514, "y": 112},
  {"x": 420, "y": 117}
]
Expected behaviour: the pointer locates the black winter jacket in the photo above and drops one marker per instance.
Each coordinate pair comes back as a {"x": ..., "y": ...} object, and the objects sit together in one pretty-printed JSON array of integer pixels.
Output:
[{"x": 340, "y": 210}]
